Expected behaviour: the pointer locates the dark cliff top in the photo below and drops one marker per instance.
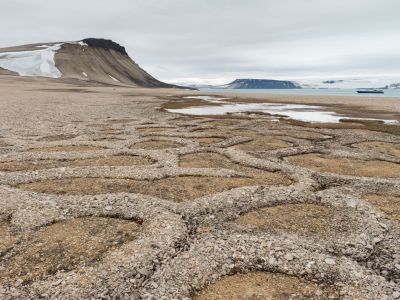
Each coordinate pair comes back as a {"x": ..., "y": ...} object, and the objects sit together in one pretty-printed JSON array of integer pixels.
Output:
[{"x": 106, "y": 44}]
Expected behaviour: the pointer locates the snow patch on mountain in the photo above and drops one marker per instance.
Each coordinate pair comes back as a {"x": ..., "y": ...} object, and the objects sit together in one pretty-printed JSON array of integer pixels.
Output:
[
  {"x": 32, "y": 63},
  {"x": 83, "y": 44}
]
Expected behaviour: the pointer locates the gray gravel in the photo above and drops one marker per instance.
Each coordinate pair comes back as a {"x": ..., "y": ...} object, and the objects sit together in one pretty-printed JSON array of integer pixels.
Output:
[{"x": 170, "y": 259}]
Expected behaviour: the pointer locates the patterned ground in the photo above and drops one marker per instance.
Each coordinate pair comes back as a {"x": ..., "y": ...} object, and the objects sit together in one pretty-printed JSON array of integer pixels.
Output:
[{"x": 120, "y": 200}]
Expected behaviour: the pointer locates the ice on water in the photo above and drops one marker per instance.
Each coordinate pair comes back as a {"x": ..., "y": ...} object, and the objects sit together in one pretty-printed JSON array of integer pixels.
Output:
[{"x": 300, "y": 112}]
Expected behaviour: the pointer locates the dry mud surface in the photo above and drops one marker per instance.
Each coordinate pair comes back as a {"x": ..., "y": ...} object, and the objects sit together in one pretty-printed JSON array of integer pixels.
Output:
[{"x": 104, "y": 195}]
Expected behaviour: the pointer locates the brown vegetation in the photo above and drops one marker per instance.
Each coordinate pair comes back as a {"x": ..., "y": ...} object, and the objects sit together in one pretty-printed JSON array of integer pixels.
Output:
[
  {"x": 65, "y": 245},
  {"x": 259, "y": 285},
  {"x": 72, "y": 148},
  {"x": 156, "y": 145},
  {"x": 115, "y": 160},
  {"x": 347, "y": 166},
  {"x": 309, "y": 220},
  {"x": 176, "y": 189}
]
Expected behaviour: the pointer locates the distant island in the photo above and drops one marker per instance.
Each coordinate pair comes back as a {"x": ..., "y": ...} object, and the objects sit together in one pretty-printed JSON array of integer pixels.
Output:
[
  {"x": 332, "y": 81},
  {"x": 262, "y": 84}
]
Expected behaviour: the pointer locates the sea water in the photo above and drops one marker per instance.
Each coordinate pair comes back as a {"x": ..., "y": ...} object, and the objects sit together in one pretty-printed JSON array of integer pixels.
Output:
[{"x": 308, "y": 92}]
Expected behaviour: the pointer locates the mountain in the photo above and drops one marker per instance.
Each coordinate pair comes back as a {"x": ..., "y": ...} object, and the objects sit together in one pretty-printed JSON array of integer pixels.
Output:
[
  {"x": 394, "y": 86},
  {"x": 92, "y": 59},
  {"x": 262, "y": 84},
  {"x": 332, "y": 81}
]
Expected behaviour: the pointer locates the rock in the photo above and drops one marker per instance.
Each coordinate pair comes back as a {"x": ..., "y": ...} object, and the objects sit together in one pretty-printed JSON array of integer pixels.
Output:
[
  {"x": 272, "y": 261},
  {"x": 144, "y": 272},
  {"x": 56, "y": 283},
  {"x": 309, "y": 264},
  {"x": 139, "y": 282},
  {"x": 330, "y": 261},
  {"x": 154, "y": 285},
  {"x": 376, "y": 240},
  {"x": 19, "y": 281},
  {"x": 352, "y": 203},
  {"x": 369, "y": 247},
  {"x": 289, "y": 257},
  {"x": 109, "y": 207},
  {"x": 384, "y": 226}
]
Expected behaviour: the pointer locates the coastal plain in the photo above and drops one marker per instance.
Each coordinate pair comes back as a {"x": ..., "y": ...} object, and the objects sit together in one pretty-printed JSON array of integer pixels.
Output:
[{"x": 105, "y": 194}]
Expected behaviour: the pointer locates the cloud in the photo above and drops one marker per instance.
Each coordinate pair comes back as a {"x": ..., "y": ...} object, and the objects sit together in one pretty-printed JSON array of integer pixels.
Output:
[{"x": 223, "y": 39}]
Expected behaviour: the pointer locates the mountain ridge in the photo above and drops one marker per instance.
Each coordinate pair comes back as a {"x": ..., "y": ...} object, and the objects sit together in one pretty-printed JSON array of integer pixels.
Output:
[{"x": 91, "y": 60}]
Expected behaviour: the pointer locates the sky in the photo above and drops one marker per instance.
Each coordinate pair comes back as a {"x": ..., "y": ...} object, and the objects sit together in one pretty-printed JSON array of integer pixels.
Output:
[{"x": 216, "y": 41}]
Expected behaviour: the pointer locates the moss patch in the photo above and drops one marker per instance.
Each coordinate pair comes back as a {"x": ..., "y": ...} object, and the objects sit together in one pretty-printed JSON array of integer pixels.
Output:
[
  {"x": 380, "y": 147},
  {"x": 303, "y": 219},
  {"x": 347, "y": 166},
  {"x": 66, "y": 245},
  {"x": 115, "y": 160},
  {"x": 176, "y": 189},
  {"x": 156, "y": 145},
  {"x": 389, "y": 204},
  {"x": 259, "y": 285},
  {"x": 71, "y": 148},
  {"x": 218, "y": 161}
]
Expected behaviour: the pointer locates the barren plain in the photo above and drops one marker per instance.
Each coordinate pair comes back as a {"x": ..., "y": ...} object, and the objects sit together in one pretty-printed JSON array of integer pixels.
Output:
[{"x": 106, "y": 195}]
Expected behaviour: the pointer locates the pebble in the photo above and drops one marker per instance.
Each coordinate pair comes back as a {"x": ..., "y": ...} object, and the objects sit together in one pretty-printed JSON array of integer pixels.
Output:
[
  {"x": 272, "y": 261},
  {"x": 144, "y": 272},
  {"x": 309, "y": 264},
  {"x": 376, "y": 240},
  {"x": 289, "y": 257},
  {"x": 369, "y": 247},
  {"x": 330, "y": 261},
  {"x": 154, "y": 285},
  {"x": 384, "y": 226},
  {"x": 56, "y": 283},
  {"x": 19, "y": 281}
]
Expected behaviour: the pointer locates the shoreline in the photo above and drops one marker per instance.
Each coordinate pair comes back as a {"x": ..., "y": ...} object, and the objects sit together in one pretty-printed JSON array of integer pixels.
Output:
[{"x": 367, "y": 108}]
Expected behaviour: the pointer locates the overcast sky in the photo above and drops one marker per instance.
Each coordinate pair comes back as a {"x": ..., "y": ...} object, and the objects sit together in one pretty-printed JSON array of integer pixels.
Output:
[{"x": 219, "y": 40}]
